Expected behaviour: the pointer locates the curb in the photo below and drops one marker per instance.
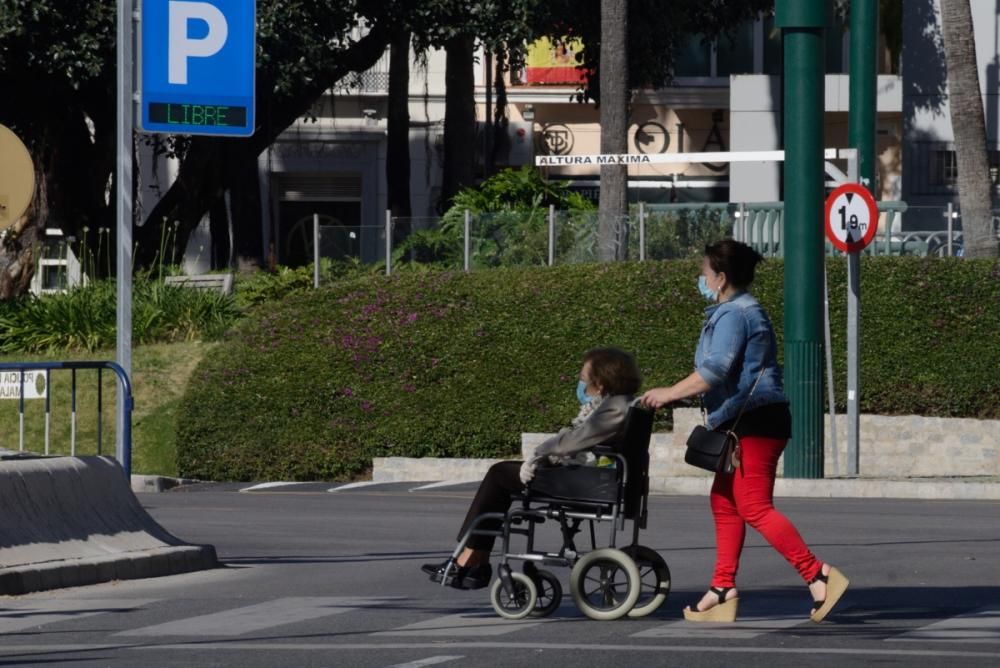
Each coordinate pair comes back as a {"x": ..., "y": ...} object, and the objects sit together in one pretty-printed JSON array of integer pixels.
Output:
[
  {"x": 426, "y": 469},
  {"x": 152, "y": 563},
  {"x": 152, "y": 484}
]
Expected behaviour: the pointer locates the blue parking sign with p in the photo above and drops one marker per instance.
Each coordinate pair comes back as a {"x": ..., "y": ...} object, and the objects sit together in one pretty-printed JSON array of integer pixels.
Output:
[{"x": 197, "y": 66}]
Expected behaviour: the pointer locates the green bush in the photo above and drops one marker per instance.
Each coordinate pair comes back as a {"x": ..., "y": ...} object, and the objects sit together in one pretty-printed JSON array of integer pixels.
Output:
[
  {"x": 85, "y": 318},
  {"x": 509, "y": 224},
  {"x": 452, "y": 364}
]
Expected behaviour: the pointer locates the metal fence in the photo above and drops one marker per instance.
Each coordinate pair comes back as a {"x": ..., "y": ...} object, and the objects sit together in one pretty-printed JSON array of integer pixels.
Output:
[
  {"x": 76, "y": 426},
  {"x": 545, "y": 236}
]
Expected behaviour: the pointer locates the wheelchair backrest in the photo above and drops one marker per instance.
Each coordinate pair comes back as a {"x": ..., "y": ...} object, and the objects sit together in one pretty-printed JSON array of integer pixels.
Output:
[{"x": 633, "y": 444}]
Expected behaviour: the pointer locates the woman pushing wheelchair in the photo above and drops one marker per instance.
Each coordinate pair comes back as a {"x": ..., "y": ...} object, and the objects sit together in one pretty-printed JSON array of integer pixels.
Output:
[
  {"x": 609, "y": 379},
  {"x": 737, "y": 376}
]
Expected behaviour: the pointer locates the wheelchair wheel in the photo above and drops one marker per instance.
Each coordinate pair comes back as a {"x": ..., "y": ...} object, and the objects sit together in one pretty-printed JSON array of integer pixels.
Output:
[
  {"x": 605, "y": 584},
  {"x": 654, "y": 580},
  {"x": 516, "y": 604},
  {"x": 549, "y": 593}
]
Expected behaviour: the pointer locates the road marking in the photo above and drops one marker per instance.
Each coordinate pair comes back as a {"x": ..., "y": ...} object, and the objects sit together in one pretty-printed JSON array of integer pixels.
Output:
[
  {"x": 253, "y": 618},
  {"x": 429, "y": 661},
  {"x": 17, "y": 615},
  {"x": 443, "y": 483},
  {"x": 271, "y": 485},
  {"x": 745, "y": 629},
  {"x": 435, "y": 646},
  {"x": 978, "y": 626},
  {"x": 355, "y": 485},
  {"x": 476, "y": 623}
]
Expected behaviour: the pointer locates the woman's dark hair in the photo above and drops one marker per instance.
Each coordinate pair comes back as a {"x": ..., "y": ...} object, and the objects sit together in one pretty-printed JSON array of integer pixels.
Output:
[
  {"x": 734, "y": 259},
  {"x": 614, "y": 370}
]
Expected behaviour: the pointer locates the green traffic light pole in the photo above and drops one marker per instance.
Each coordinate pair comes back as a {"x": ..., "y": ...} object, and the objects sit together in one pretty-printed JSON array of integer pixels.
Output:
[{"x": 802, "y": 23}]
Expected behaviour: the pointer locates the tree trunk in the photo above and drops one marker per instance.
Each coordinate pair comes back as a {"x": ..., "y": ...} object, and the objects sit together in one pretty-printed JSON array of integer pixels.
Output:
[
  {"x": 613, "y": 207},
  {"x": 248, "y": 242},
  {"x": 969, "y": 128},
  {"x": 501, "y": 122},
  {"x": 459, "y": 118},
  {"x": 397, "y": 152},
  {"x": 19, "y": 246}
]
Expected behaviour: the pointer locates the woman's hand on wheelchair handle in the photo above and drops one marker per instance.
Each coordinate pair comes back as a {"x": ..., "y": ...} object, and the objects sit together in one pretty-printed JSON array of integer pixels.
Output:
[
  {"x": 658, "y": 397},
  {"x": 528, "y": 470}
]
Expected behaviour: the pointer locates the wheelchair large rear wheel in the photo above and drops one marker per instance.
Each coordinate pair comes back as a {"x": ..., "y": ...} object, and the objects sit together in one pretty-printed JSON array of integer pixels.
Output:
[
  {"x": 516, "y": 603},
  {"x": 549, "y": 593},
  {"x": 605, "y": 584},
  {"x": 654, "y": 580}
]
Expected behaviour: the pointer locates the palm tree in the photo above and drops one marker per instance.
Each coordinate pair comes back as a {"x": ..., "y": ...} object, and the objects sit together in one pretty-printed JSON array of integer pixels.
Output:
[
  {"x": 969, "y": 129},
  {"x": 613, "y": 79}
]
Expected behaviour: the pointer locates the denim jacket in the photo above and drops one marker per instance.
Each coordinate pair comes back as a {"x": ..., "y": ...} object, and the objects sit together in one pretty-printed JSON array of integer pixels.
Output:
[{"x": 737, "y": 343}]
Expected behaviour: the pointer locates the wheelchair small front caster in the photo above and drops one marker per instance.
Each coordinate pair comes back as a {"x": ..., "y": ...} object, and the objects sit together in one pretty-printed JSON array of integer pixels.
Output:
[
  {"x": 513, "y": 597},
  {"x": 549, "y": 590}
]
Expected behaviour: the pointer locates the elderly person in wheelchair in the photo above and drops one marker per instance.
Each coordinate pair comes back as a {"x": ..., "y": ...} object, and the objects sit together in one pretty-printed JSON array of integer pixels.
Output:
[{"x": 569, "y": 464}]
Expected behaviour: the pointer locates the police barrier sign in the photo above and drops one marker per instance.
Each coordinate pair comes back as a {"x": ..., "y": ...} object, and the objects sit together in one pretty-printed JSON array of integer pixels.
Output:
[
  {"x": 197, "y": 66},
  {"x": 34, "y": 385}
]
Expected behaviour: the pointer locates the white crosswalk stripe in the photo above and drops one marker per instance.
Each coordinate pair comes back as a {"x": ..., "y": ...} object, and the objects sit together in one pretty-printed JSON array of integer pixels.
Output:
[
  {"x": 978, "y": 626},
  {"x": 18, "y": 615},
  {"x": 429, "y": 661},
  {"x": 254, "y": 618},
  {"x": 471, "y": 624},
  {"x": 745, "y": 628}
]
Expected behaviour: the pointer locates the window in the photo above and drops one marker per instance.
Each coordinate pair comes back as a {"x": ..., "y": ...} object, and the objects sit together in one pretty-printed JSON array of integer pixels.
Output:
[
  {"x": 944, "y": 168},
  {"x": 694, "y": 59},
  {"x": 735, "y": 56}
]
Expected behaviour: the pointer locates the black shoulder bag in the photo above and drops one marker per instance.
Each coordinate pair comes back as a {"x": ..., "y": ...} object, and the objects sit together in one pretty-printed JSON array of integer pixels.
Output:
[{"x": 717, "y": 451}]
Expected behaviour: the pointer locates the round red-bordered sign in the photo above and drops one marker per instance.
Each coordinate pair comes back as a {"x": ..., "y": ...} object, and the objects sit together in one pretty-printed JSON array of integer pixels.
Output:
[{"x": 851, "y": 217}]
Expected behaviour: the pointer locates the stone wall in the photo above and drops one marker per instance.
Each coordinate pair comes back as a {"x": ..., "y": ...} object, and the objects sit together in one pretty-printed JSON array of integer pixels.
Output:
[{"x": 890, "y": 447}]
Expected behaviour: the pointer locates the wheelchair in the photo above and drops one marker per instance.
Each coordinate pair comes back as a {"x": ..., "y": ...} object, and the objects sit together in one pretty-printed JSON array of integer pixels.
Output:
[{"x": 605, "y": 582}]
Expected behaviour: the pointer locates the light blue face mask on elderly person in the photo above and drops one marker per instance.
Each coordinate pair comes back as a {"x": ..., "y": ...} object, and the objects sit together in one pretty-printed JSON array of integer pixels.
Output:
[
  {"x": 581, "y": 393},
  {"x": 706, "y": 292}
]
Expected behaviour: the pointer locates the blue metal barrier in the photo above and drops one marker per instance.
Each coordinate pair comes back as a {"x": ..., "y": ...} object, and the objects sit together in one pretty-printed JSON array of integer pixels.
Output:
[{"x": 124, "y": 449}]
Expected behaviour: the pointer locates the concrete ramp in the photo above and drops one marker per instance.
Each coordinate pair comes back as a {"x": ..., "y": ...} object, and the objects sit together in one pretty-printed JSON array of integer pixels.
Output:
[{"x": 72, "y": 521}]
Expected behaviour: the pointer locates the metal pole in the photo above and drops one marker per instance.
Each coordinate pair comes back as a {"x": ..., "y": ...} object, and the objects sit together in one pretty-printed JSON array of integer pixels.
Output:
[
  {"x": 642, "y": 231},
  {"x": 388, "y": 242},
  {"x": 951, "y": 228},
  {"x": 123, "y": 174},
  {"x": 834, "y": 455},
  {"x": 315, "y": 250},
  {"x": 552, "y": 234},
  {"x": 802, "y": 23},
  {"x": 465, "y": 250},
  {"x": 853, "y": 357}
]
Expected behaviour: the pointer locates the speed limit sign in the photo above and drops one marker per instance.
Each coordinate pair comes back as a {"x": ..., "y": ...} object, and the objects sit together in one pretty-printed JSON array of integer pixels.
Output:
[{"x": 851, "y": 217}]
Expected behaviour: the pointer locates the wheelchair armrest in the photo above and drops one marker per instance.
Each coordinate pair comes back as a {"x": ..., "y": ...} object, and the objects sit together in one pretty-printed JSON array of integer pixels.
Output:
[{"x": 603, "y": 450}]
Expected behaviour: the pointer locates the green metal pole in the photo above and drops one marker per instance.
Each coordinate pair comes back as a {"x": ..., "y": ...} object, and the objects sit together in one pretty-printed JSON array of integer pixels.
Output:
[
  {"x": 802, "y": 23},
  {"x": 861, "y": 121}
]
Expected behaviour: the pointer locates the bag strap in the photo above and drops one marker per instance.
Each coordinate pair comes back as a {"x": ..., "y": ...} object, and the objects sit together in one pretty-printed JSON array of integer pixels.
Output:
[{"x": 747, "y": 400}]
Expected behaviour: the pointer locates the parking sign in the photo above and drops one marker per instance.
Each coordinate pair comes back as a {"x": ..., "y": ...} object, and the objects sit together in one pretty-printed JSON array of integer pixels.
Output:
[{"x": 197, "y": 66}]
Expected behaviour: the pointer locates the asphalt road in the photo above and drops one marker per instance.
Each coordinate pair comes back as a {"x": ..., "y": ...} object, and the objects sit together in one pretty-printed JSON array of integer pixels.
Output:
[{"x": 318, "y": 578}]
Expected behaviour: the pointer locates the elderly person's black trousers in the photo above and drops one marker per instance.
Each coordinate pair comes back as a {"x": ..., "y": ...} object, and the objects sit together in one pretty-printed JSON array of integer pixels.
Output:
[{"x": 493, "y": 496}]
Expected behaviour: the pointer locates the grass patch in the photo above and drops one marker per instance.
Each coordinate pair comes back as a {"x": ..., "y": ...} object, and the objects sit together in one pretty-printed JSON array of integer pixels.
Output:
[{"x": 159, "y": 375}]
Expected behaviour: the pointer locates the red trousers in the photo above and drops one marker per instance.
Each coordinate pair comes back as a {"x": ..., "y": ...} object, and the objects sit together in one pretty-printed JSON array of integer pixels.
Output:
[{"x": 746, "y": 496}]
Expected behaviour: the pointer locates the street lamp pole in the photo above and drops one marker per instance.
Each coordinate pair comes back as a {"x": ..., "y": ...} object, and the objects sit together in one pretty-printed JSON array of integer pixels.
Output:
[{"x": 802, "y": 23}]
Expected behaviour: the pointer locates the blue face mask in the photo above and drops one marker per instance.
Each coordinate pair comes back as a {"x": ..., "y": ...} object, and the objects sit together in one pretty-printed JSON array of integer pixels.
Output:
[
  {"x": 581, "y": 393},
  {"x": 706, "y": 292}
]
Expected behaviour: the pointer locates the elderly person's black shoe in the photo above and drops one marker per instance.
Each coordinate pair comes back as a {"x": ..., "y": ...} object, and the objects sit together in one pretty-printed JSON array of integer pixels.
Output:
[{"x": 460, "y": 577}]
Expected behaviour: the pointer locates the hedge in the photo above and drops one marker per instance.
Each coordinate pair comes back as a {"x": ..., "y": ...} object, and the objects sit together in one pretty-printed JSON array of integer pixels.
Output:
[{"x": 453, "y": 364}]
